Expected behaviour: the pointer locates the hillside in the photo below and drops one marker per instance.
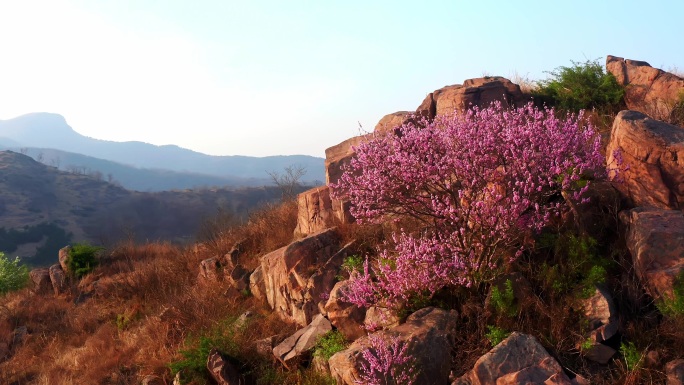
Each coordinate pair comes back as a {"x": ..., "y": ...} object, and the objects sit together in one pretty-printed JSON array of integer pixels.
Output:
[
  {"x": 130, "y": 177},
  {"x": 42, "y": 209},
  {"x": 478, "y": 240},
  {"x": 51, "y": 131}
]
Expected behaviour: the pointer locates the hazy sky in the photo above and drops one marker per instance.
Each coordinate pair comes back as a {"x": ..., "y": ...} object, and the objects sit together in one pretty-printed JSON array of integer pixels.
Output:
[{"x": 292, "y": 77}]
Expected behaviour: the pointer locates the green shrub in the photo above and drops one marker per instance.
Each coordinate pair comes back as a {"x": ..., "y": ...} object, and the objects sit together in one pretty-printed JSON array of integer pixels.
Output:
[
  {"x": 82, "y": 259},
  {"x": 575, "y": 264},
  {"x": 631, "y": 355},
  {"x": 503, "y": 300},
  {"x": 13, "y": 275},
  {"x": 329, "y": 344},
  {"x": 194, "y": 362},
  {"x": 496, "y": 334},
  {"x": 673, "y": 306},
  {"x": 582, "y": 86}
]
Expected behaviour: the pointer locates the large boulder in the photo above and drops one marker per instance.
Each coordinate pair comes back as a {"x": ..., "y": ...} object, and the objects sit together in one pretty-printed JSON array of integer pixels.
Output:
[
  {"x": 647, "y": 89},
  {"x": 58, "y": 278},
  {"x": 654, "y": 152},
  {"x": 479, "y": 92},
  {"x": 63, "y": 257},
  {"x": 317, "y": 211},
  {"x": 519, "y": 359},
  {"x": 429, "y": 333},
  {"x": 300, "y": 343},
  {"x": 675, "y": 372},
  {"x": 390, "y": 122},
  {"x": 655, "y": 239},
  {"x": 339, "y": 155},
  {"x": 347, "y": 317},
  {"x": 41, "y": 280},
  {"x": 297, "y": 277}
]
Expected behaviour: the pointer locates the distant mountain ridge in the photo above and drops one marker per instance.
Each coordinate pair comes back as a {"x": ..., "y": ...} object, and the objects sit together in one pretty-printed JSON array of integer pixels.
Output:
[
  {"x": 42, "y": 209},
  {"x": 51, "y": 131}
]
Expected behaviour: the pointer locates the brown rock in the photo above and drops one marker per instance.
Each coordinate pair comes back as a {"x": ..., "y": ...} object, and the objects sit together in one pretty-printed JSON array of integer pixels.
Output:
[
  {"x": 655, "y": 239},
  {"x": 429, "y": 334},
  {"x": 222, "y": 371},
  {"x": 58, "y": 279},
  {"x": 338, "y": 156},
  {"x": 599, "y": 309},
  {"x": 647, "y": 89},
  {"x": 209, "y": 271},
  {"x": 299, "y": 275},
  {"x": 654, "y": 152},
  {"x": 346, "y": 317},
  {"x": 390, "y": 122},
  {"x": 257, "y": 284},
  {"x": 315, "y": 211},
  {"x": 479, "y": 92},
  {"x": 41, "y": 280},
  {"x": 519, "y": 359},
  {"x": 63, "y": 256},
  {"x": 380, "y": 318},
  {"x": 675, "y": 372},
  {"x": 238, "y": 277},
  {"x": 302, "y": 341}
]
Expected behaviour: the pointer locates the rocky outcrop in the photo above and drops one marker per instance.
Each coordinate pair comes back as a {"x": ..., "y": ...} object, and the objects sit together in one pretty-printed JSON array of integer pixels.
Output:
[
  {"x": 519, "y": 359},
  {"x": 63, "y": 257},
  {"x": 347, "y": 317},
  {"x": 302, "y": 341},
  {"x": 314, "y": 211},
  {"x": 41, "y": 280},
  {"x": 654, "y": 152},
  {"x": 222, "y": 371},
  {"x": 675, "y": 372},
  {"x": 58, "y": 279},
  {"x": 479, "y": 92},
  {"x": 655, "y": 239},
  {"x": 297, "y": 277},
  {"x": 224, "y": 268},
  {"x": 647, "y": 89},
  {"x": 429, "y": 333},
  {"x": 390, "y": 122},
  {"x": 338, "y": 156}
]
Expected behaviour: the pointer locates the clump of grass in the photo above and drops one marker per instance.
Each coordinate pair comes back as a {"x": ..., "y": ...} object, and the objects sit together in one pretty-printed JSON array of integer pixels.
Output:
[
  {"x": 496, "y": 334},
  {"x": 82, "y": 259},
  {"x": 329, "y": 344},
  {"x": 504, "y": 300}
]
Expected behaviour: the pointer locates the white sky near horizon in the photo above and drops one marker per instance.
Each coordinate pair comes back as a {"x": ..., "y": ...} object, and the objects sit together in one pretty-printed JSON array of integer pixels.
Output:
[{"x": 273, "y": 77}]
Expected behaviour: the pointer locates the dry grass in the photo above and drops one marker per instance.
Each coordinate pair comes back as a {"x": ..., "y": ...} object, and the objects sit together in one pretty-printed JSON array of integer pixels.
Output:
[
  {"x": 527, "y": 85},
  {"x": 131, "y": 316}
]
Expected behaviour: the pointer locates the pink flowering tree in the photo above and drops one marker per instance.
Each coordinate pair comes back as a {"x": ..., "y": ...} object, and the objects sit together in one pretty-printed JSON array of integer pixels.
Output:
[
  {"x": 477, "y": 183},
  {"x": 387, "y": 362}
]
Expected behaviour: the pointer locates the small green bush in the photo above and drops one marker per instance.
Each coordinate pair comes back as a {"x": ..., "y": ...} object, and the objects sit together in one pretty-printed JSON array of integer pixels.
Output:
[
  {"x": 673, "y": 306},
  {"x": 503, "y": 300},
  {"x": 496, "y": 334},
  {"x": 194, "y": 362},
  {"x": 82, "y": 259},
  {"x": 582, "y": 86},
  {"x": 631, "y": 355},
  {"x": 329, "y": 344},
  {"x": 13, "y": 275}
]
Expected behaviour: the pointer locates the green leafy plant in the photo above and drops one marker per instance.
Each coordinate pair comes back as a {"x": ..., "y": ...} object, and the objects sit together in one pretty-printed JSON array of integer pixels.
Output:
[
  {"x": 193, "y": 364},
  {"x": 82, "y": 259},
  {"x": 574, "y": 266},
  {"x": 329, "y": 344},
  {"x": 496, "y": 334},
  {"x": 13, "y": 275},
  {"x": 673, "y": 305},
  {"x": 584, "y": 85},
  {"x": 632, "y": 356},
  {"x": 503, "y": 300}
]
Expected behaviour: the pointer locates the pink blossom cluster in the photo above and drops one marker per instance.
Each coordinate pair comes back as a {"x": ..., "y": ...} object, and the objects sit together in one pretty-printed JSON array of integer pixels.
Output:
[
  {"x": 478, "y": 182},
  {"x": 387, "y": 362}
]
